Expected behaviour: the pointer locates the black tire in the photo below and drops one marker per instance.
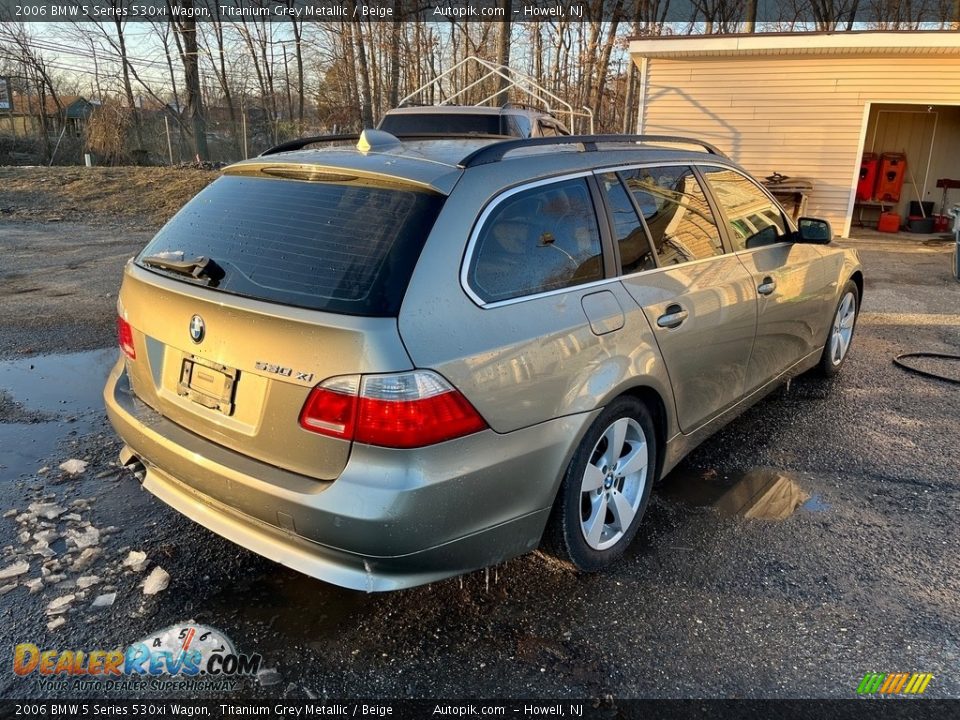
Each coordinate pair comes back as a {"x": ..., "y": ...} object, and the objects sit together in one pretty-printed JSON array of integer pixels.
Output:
[
  {"x": 566, "y": 536},
  {"x": 829, "y": 366}
]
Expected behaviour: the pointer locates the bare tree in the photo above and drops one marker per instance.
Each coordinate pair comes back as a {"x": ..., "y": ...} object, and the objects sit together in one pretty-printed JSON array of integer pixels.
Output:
[
  {"x": 355, "y": 29},
  {"x": 185, "y": 30},
  {"x": 218, "y": 55},
  {"x": 503, "y": 47},
  {"x": 113, "y": 32},
  {"x": 35, "y": 71}
]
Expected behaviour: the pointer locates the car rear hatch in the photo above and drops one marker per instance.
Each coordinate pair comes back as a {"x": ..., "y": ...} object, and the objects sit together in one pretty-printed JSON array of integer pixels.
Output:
[{"x": 264, "y": 285}]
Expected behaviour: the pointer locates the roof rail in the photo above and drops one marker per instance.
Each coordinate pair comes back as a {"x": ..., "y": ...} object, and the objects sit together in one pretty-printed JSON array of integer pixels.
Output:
[
  {"x": 588, "y": 143},
  {"x": 301, "y": 143}
]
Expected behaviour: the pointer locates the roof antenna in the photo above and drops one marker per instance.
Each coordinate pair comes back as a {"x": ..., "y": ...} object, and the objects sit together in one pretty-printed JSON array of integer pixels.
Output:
[{"x": 376, "y": 140}]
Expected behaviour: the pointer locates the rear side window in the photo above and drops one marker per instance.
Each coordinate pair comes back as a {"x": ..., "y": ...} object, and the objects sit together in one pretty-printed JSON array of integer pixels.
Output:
[
  {"x": 537, "y": 240},
  {"x": 635, "y": 252},
  {"x": 677, "y": 214},
  {"x": 345, "y": 247}
]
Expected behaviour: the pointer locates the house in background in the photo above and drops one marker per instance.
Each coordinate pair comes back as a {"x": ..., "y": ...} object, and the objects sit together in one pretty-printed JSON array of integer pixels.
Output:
[
  {"x": 24, "y": 120},
  {"x": 809, "y": 106}
]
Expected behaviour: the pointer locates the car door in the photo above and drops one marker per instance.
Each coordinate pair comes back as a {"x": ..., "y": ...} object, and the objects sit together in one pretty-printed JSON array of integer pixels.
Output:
[
  {"x": 788, "y": 277},
  {"x": 698, "y": 299}
]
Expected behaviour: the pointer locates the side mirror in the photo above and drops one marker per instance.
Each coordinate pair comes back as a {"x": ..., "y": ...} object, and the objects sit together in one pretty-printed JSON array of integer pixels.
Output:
[{"x": 814, "y": 230}]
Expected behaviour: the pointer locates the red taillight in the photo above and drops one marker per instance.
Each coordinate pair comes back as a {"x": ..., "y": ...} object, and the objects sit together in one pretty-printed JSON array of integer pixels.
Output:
[
  {"x": 331, "y": 408},
  {"x": 405, "y": 410},
  {"x": 125, "y": 338}
]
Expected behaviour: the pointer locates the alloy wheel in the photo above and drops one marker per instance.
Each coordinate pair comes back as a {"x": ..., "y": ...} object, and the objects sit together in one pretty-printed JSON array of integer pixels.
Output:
[
  {"x": 843, "y": 328},
  {"x": 613, "y": 483}
]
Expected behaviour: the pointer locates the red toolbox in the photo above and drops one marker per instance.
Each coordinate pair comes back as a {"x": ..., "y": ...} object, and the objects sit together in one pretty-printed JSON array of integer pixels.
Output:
[
  {"x": 868, "y": 177},
  {"x": 893, "y": 169}
]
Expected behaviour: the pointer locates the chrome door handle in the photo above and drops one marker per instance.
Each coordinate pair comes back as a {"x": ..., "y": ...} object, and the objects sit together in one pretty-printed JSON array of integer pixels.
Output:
[
  {"x": 673, "y": 317},
  {"x": 767, "y": 286}
]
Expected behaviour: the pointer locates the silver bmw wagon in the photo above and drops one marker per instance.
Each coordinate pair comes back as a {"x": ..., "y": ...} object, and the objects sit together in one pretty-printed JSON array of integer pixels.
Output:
[{"x": 392, "y": 362}]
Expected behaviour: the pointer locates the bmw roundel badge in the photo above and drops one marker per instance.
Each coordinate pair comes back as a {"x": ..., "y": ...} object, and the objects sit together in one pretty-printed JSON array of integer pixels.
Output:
[{"x": 197, "y": 329}]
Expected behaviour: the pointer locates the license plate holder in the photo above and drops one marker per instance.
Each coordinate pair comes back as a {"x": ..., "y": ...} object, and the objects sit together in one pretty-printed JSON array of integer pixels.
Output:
[{"x": 208, "y": 384}]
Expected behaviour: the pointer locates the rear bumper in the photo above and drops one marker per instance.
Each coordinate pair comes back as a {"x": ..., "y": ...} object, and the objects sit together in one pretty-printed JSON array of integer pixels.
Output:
[{"x": 393, "y": 519}]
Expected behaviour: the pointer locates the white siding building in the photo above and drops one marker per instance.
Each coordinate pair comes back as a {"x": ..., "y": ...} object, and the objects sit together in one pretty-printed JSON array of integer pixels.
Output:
[{"x": 809, "y": 105}]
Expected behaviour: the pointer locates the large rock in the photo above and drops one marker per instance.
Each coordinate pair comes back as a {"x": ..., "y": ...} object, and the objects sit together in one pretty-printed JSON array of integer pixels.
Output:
[
  {"x": 157, "y": 581},
  {"x": 56, "y": 623},
  {"x": 105, "y": 600},
  {"x": 269, "y": 677},
  {"x": 74, "y": 466},
  {"x": 86, "y": 539},
  {"x": 50, "y": 511},
  {"x": 136, "y": 561},
  {"x": 85, "y": 558},
  {"x": 85, "y": 581},
  {"x": 59, "y": 605},
  {"x": 18, "y": 568}
]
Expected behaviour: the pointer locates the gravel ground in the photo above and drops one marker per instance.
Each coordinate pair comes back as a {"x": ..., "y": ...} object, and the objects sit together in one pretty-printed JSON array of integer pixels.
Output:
[{"x": 861, "y": 578}]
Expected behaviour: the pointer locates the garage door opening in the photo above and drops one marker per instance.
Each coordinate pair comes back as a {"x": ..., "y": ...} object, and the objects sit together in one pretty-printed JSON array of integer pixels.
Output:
[{"x": 906, "y": 150}]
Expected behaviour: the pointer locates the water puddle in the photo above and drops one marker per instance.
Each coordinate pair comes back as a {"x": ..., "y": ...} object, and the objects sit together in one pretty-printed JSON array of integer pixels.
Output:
[
  {"x": 815, "y": 503},
  {"x": 45, "y": 399},
  {"x": 760, "y": 493}
]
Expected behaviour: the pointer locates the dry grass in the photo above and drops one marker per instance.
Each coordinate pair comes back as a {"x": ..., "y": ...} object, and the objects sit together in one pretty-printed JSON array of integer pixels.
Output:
[{"x": 145, "y": 196}]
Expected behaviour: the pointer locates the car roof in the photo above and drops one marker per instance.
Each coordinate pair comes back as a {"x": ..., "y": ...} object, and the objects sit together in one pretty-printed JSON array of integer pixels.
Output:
[
  {"x": 436, "y": 164},
  {"x": 428, "y": 163}
]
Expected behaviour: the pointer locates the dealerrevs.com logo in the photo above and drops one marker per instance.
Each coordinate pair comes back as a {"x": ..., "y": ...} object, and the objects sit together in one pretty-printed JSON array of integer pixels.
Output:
[{"x": 184, "y": 656}]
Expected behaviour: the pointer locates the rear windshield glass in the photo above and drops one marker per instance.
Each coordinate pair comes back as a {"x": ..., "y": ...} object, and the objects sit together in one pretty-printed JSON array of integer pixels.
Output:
[
  {"x": 450, "y": 124},
  {"x": 340, "y": 247}
]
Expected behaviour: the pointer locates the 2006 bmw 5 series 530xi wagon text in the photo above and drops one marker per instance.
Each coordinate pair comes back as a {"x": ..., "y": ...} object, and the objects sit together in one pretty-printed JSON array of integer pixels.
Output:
[{"x": 387, "y": 364}]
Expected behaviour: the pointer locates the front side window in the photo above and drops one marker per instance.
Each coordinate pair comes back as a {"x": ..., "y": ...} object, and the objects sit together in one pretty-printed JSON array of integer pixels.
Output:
[
  {"x": 753, "y": 218},
  {"x": 537, "y": 240},
  {"x": 681, "y": 224}
]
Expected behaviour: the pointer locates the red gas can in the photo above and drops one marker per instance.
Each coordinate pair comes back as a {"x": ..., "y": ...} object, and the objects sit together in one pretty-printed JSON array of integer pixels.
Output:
[
  {"x": 893, "y": 168},
  {"x": 868, "y": 177},
  {"x": 889, "y": 222}
]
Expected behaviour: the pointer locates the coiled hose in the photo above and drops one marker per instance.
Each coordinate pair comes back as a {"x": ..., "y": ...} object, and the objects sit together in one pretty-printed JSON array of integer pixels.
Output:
[{"x": 898, "y": 361}]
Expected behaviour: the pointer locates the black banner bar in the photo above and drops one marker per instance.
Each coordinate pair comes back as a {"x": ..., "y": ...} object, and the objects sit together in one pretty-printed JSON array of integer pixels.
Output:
[
  {"x": 608, "y": 709},
  {"x": 723, "y": 15}
]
